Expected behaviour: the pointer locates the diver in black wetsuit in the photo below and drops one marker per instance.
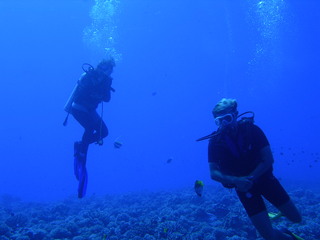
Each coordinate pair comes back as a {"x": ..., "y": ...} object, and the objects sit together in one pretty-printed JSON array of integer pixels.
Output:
[
  {"x": 93, "y": 88},
  {"x": 239, "y": 157}
]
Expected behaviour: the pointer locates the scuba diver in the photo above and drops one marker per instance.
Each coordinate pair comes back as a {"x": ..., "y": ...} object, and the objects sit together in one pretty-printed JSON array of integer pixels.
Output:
[
  {"x": 93, "y": 87},
  {"x": 240, "y": 157}
]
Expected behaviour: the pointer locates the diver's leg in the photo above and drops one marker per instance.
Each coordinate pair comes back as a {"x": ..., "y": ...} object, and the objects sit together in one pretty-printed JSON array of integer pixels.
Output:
[
  {"x": 99, "y": 127},
  {"x": 86, "y": 140},
  {"x": 85, "y": 120},
  {"x": 81, "y": 149},
  {"x": 277, "y": 195},
  {"x": 290, "y": 211},
  {"x": 95, "y": 128},
  {"x": 257, "y": 212},
  {"x": 262, "y": 223},
  {"x": 88, "y": 121}
]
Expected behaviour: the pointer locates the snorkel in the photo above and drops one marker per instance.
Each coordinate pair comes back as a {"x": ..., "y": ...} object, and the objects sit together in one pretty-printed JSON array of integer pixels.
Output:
[{"x": 243, "y": 119}]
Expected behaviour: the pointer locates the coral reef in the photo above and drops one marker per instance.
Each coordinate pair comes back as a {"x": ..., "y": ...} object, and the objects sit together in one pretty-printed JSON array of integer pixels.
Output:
[{"x": 175, "y": 215}]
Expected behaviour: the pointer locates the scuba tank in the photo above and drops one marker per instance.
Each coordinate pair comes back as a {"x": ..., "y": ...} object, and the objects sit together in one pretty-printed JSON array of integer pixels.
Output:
[
  {"x": 86, "y": 67},
  {"x": 68, "y": 105}
]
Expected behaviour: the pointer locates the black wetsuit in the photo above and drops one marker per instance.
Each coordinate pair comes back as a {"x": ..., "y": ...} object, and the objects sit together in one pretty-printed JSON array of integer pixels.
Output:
[
  {"x": 238, "y": 155},
  {"x": 94, "y": 87}
]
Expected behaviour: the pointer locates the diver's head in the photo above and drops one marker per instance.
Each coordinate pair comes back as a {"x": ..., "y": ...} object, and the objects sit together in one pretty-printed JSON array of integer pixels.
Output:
[
  {"x": 106, "y": 65},
  {"x": 225, "y": 112}
]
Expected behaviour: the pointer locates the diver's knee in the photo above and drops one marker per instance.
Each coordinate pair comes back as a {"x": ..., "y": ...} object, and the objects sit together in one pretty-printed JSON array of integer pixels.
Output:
[
  {"x": 105, "y": 133},
  {"x": 295, "y": 217}
]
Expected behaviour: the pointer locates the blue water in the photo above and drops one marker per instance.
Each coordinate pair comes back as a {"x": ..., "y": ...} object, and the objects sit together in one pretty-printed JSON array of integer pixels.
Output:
[{"x": 176, "y": 59}]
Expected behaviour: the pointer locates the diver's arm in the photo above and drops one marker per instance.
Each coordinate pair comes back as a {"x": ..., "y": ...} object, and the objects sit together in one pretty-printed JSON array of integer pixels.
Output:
[
  {"x": 219, "y": 176},
  {"x": 242, "y": 184},
  {"x": 265, "y": 164},
  {"x": 102, "y": 94}
]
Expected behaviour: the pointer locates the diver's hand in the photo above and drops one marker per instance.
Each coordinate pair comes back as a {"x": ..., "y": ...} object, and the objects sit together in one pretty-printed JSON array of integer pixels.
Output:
[{"x": 243, "y": 184}]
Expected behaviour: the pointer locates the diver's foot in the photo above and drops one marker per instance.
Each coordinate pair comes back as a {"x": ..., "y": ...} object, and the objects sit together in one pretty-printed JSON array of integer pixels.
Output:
[
  {"x": 288, "y": 232},
  {"x": 77, "y": 150}
]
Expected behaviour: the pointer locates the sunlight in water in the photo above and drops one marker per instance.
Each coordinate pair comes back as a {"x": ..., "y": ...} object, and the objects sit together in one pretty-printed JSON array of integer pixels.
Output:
[{"x": 101, "y": 35}]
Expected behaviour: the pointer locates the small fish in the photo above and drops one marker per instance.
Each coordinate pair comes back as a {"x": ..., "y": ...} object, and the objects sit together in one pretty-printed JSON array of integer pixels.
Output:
[
  {"x": 198, "y": 187},
  {"x": 117, "y": 144},
  {"x": 169, "y": 160}
]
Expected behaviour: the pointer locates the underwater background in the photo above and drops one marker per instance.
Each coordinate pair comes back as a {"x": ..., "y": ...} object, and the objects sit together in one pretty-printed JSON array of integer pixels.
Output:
[{"x": 174, "y": 61}]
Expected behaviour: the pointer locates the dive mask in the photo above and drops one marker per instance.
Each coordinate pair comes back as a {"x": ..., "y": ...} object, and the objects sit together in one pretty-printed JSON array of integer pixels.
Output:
[{"x": 224, "y": 120}]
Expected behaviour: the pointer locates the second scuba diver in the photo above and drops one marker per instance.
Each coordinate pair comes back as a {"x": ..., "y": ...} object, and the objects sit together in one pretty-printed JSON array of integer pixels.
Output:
[
  {"x": 240, "y": 157},
  {"x": 93, "y": 88}
]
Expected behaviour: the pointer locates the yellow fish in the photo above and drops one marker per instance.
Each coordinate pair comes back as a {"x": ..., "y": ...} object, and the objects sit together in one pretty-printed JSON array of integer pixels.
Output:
[{"x": 198, "y": 187}]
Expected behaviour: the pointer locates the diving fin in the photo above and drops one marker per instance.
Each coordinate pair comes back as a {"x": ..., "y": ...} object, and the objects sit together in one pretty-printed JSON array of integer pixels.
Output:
[
  {"x": 295, "y": 237},
  {"x": 274, "y": 216},
  {"x": 81, "y": 174},
  {"x": 80, "y": 170},
  {"x": 83, "y": 181},
  {"x": 79, "y": 159}
]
